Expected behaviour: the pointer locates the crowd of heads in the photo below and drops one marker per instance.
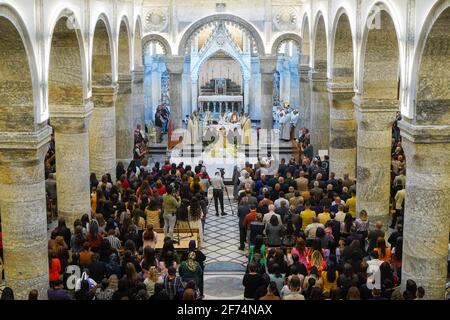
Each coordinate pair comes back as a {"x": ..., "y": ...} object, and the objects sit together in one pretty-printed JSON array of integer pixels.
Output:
[{"x": 307, "y": 241}]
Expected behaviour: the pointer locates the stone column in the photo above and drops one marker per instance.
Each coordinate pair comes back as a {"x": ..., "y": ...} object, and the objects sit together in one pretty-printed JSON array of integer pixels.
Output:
[
  {"x": 295, "y": 86},
  {"x": 148, "y": 106},
  {"x": 155, "y": 89},
  {"x": 320, "y": 112},
  {"x": 175, "y": 68},
  {"x": 71, "y": 124},
  {"x": 138, "y": 96},
  {"x": 102, "y": 131},
  {"x": 427, "y": 209},
  {"x": 268, "y": 65},
  {"x": 23, "y": 211},
  {"x": 194, "y": 95},
  {"x": 342, "y": 129},
  {"x": 285, "y": 95},
  {"x": 305, "y": 96},
  {"x": 374, "y": 120},
  {"x": 124, "y": 121},
  {"x": 255, "y": 90}
]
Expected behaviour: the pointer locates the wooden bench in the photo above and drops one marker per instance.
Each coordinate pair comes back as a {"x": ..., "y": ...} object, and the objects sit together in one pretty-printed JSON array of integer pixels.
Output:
[{"x": 185, "y": 237}]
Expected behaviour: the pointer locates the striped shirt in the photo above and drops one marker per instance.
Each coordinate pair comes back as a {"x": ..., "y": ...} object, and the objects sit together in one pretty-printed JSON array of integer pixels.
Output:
[{"x": 114, "y": 241}]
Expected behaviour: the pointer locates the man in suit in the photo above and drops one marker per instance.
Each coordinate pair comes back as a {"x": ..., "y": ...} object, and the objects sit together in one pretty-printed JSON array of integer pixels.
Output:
[{"x": 243, "y": 210}]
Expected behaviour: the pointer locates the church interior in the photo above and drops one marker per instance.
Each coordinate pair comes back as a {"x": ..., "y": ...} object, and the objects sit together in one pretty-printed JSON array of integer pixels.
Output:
[{"x": 116, "y": 115}]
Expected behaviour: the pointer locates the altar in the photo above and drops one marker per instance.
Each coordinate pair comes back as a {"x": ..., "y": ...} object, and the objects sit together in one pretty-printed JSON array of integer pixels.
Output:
[{"x": 217, "y": 104}]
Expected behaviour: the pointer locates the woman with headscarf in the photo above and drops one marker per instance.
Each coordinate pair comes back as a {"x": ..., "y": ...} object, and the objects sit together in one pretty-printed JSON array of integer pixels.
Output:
[
  {"x": 190, "y": 269},
  {"x": 199, "y": 257}
]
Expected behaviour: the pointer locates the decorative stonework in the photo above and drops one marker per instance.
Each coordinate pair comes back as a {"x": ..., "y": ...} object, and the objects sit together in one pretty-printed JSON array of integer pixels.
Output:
[
  {"x": 286, "y": 19},
  {"x": 156, "y": 19}
]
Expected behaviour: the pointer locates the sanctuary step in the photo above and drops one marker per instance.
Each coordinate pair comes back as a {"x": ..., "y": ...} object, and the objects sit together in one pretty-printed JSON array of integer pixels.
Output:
[{"x": 158, "y": 150}]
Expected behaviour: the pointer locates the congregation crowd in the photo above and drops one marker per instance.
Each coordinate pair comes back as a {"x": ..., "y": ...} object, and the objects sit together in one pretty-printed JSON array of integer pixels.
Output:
[
  {"x": 306, "y": 241},
  {"x": 299, "y": 227}
]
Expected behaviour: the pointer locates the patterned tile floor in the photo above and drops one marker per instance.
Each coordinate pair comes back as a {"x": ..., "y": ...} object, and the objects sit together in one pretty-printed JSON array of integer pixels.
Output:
[
  {"x": 225, "y": 263},
  {"x": 221, "y": 235}
]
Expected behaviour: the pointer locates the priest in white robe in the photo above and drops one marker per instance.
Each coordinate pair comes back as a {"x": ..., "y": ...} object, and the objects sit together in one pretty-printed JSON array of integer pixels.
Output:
[
  {"x": 191, "y": 136},
  {"x": 246, "y": 137},
  {"x": 295, "y": 116},
  {"x": 285, "y": 123},
  {"x": 222, "y": 118}
]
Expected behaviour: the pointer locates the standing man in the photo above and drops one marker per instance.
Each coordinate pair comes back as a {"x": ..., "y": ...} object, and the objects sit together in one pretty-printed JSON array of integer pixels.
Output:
[
  {"x": 218, "y": 186},
  {"x": 243, "y": 210},
  {"x": 294, "y": 123},
  {"x": 171, "y": 202}
]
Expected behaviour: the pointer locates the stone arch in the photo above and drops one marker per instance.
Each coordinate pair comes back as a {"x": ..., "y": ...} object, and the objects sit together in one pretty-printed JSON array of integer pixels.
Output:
[
  {"x": 320, "y": 44},
  {"x": 433, "y": 84},
  {"x": 138, "y": 60},
  {"x": 66, "y": 84},
  {"x": 157, "y": 38},
  {"x": 286, "y": 37},
  {"x": 342, "y": 49},
  {"x": 380, "y": 56},
  {"x": 217, "y": 18},
  {"x": 305, "y": 56},
  {"x": 124, "y": 47},
  {"x": 102, "y": 53},
  {"x": 19, "y": 84}
]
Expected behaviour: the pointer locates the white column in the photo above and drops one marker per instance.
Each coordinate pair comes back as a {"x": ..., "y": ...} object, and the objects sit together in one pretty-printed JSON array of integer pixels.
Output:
[
  {"x": 194, "y": 92},
  {"x": 156, "y": 85},
  {"x": 175, "y": 68},
  {"x": 246, "y": 95},
  {"x": 286, "y": 93}
]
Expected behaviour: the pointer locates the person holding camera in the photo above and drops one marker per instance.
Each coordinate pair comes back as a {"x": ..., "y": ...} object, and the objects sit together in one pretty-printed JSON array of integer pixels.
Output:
[
  {"x": 218, "y": 186},
  {"x": 171, "y": 202}
]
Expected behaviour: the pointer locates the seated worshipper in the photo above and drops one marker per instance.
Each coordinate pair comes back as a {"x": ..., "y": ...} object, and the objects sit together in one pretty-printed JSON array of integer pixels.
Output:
[
  {"x": 149, "y": 237},
  {"x": 172, "y": 284},
  {"x": 294, "y": 289},
  {"x": 301, "y": 251},
  {"x": 307, "y": 215},
  {"x": 274, "y": 232},
  {"x": 384, "y": 252},
  {"x": 280, "y": 200},
  {"x": 195, "y": 218},
  {"x": 272, "y": 292},
  {"x": 310, "y": 230},
  {"x": 258, "y": 248},
  {"x": 256, "y": 228},
  {"x": 283, "y": 211},
  {"x": 190, "y": 269},
  {"x": 252, "y": 281}
]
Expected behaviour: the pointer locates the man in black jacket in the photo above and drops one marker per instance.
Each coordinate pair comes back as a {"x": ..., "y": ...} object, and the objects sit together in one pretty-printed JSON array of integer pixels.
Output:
[{"x": 243, "y": 210}]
